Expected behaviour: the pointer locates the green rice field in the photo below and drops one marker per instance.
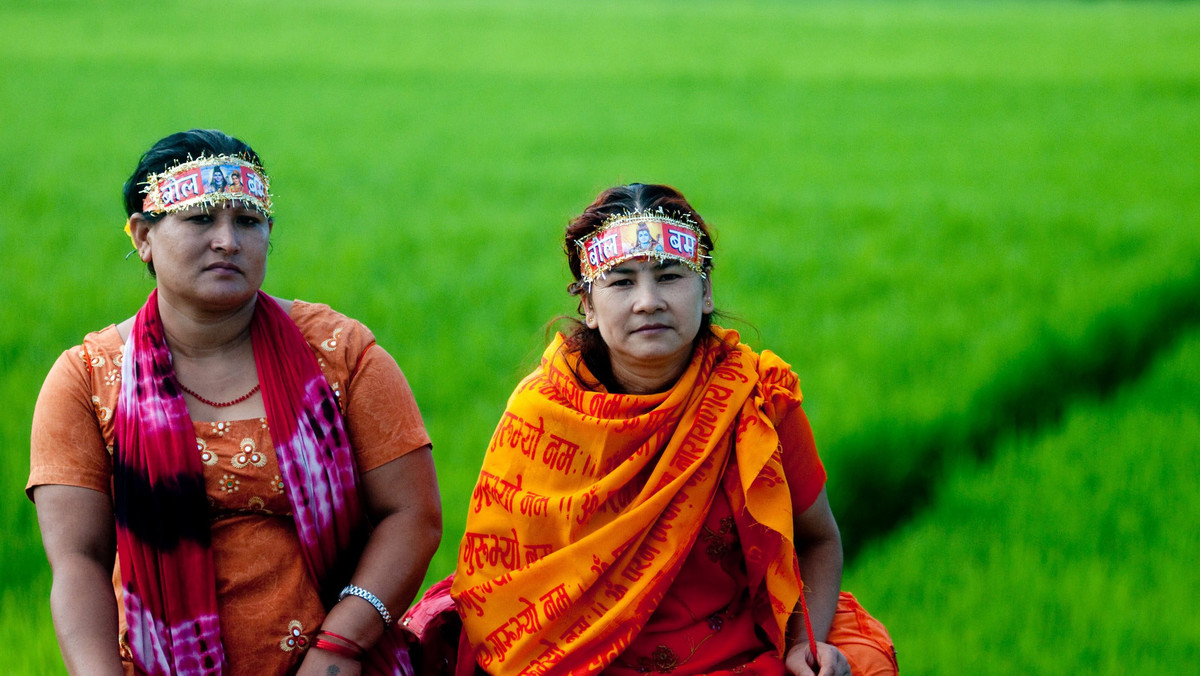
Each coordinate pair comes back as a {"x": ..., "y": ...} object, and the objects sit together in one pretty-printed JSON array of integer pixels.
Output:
[{"x": 973, "y": 228}]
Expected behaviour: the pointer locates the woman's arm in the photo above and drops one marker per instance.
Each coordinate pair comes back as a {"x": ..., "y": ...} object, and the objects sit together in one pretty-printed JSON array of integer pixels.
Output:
[
  {"x": 819, "y": 550},
  {"x": 403, "y": 501},
  {"x": 79, "y": 535}
]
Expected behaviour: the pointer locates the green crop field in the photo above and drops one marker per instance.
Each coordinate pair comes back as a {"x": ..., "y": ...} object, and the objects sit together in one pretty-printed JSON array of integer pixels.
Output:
[
  {"x": 972, "y": 227},
  {"x": 1073, "y": 548}
]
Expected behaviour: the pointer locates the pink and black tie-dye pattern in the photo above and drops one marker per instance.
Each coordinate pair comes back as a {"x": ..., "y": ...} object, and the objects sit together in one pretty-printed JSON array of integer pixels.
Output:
[
  {"x": 310, "y": 441},
  {"x": 162, "y": 519},
  {"x": 162, "y": 516}
]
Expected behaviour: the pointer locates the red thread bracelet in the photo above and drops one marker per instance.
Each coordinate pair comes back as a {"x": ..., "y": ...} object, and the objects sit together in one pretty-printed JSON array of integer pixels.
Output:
[
  {"x": 812, "y": 639},
  {"x": 350, "y": 643},
  {"x": 336, "y": 648}
]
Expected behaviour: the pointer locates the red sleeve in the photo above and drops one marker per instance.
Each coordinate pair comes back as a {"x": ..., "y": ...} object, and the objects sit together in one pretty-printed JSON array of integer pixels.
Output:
[
  {"x": 801, "y": 465},
  {"x": 66, "y": 444}
]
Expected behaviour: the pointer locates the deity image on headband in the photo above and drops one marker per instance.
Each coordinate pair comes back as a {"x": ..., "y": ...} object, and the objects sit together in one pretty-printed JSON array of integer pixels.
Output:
[
  {"x": 235, "y": 180},
  {"x": 645, "y": 240},
  {"x": 215, "y": 180}
]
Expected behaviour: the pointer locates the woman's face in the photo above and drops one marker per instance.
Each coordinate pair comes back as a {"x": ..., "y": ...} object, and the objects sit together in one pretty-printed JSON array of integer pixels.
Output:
[
  {"x": 209, "y": 257},
  {"x": 648, "y": 312}
]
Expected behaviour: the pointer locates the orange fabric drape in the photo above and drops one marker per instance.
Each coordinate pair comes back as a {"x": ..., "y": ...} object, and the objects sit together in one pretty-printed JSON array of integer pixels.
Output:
[{"x": 588, "y": 502}]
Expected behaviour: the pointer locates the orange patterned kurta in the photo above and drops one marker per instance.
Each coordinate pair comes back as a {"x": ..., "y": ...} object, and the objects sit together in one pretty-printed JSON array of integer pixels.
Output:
[{"x": 268, "y": 605}]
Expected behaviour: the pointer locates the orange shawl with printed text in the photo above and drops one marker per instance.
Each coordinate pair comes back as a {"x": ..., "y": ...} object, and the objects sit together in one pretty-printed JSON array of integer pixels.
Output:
[{"x": 589, "y": 502}]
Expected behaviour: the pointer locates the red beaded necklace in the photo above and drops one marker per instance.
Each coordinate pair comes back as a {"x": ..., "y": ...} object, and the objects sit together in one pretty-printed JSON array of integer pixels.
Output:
[{"x": 221, "y": 404}]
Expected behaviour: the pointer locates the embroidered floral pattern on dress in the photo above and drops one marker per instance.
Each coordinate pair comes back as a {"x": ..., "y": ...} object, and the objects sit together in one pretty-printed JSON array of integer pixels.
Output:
[
  {"x": 295, "y": 638},
  {"x": 249, "y": 455},
  {"x": 123, "y": 648},
  {"x": 220, "y": 428},
  {"x": 330, "y": 344},
  {"x": 257, "y": 504},
  {"x": 716, "y": 621},
  {"x": 720, "y": 543},
  {"x": 206, "y": 456},
  {"x": 94, "y": 362},
  {"x": 103, "y": 413},
  {"x": 665, "y": 660},
  {"x": 113, "y": 377},
  {"x": 230, "y": 483},
  {"x": 277, "y": 484}
]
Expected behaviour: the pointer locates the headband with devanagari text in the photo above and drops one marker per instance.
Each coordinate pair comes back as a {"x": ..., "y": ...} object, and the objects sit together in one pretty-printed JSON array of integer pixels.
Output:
[
  {"x": 207, "y": 181},
  {"x": 631, "y": 235}
]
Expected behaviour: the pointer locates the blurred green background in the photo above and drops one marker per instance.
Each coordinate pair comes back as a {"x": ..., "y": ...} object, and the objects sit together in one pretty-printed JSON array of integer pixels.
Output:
[{"x": 971, "y": 227}]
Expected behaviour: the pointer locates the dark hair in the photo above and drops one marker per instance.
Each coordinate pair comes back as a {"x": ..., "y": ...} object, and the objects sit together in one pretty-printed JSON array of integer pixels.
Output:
[
  {"x": 618, "y": 200},
  {"x": 174, "y": 149}
]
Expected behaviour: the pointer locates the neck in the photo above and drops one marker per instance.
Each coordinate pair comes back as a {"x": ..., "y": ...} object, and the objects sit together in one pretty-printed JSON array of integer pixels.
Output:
[
  {"x": 648, "y": 378},
  {"x": 194, "y": 334}
]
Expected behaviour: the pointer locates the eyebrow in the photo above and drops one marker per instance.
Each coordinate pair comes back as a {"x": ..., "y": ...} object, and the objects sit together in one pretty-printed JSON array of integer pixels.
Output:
[{"x": 658, "y": 265}]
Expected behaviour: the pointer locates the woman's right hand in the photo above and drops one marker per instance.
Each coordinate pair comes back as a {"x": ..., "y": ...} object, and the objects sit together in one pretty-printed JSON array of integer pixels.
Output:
[{"x": 799, "y": 661}]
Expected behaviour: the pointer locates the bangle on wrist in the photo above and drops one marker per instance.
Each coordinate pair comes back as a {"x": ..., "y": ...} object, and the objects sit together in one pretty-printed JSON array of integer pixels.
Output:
[
  {"x": 349, "y": 643},
  {"x": 337, "y": 649},
  {"x": 355, "y": 590}
]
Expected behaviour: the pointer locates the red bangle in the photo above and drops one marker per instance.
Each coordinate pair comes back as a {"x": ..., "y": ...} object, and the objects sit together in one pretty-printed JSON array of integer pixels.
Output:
[
  {"x": 352, "y": 644},
  {"x": 336, "y": 648}
]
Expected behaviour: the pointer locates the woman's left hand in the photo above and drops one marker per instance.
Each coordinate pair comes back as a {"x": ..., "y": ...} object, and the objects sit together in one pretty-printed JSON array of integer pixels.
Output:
[
  {"x": 325, "y": 663},
  {"x": 833, "y": 662}
]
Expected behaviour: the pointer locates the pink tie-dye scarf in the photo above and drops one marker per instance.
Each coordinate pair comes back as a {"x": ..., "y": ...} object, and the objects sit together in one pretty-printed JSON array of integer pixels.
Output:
[{"x": 161, "y": 508}]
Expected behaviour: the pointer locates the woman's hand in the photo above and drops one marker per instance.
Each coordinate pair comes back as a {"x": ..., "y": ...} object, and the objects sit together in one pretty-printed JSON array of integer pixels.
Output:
[
  {"x": 325, "y": 663},
  {"x": 799, "y": 661}
]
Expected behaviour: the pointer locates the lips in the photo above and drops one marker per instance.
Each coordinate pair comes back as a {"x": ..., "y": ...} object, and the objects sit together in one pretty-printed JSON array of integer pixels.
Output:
[
  {"x": 650, "y": 327},
  {"x": 223, "y": 266}
]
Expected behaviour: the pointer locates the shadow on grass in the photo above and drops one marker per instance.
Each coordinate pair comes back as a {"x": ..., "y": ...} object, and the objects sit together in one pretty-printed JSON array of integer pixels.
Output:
[{"x": 888, "y": 472}]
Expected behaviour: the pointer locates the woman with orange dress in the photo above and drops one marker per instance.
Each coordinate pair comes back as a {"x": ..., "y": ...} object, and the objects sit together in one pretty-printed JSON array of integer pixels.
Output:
[
  {"x": 652, "y": 500},
  {"x": 225, "y": 461}
]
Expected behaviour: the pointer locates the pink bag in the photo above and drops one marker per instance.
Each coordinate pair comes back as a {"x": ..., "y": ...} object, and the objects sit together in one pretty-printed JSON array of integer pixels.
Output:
[{"x": 441, "y": 647}]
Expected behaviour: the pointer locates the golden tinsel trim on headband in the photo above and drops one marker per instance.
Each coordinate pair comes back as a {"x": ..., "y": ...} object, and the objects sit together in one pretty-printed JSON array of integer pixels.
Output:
[
  {"x": 653, "y": 234},
  {"x": 207, "y": 181}
]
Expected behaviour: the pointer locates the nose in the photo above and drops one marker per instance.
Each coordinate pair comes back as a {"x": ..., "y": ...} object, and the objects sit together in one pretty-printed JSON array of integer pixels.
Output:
[
  {"x": 225, "y": 235},
  {"x": 648, "y": 297}
]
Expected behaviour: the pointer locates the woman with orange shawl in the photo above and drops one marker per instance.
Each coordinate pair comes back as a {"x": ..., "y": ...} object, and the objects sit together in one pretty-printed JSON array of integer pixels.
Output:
[{"x": 652, "y": 498}]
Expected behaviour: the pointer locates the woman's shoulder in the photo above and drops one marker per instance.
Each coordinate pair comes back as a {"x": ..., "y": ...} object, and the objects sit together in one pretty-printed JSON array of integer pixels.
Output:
[
  {"x": 107, "y": 338},
  {"x": 89, "y": 372},
  {"x": 779, "y": 385},
  {"x": 98, "y": 350},
  {"x": 330, "y": 332},
  {"x": 319, "y": 318}
]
